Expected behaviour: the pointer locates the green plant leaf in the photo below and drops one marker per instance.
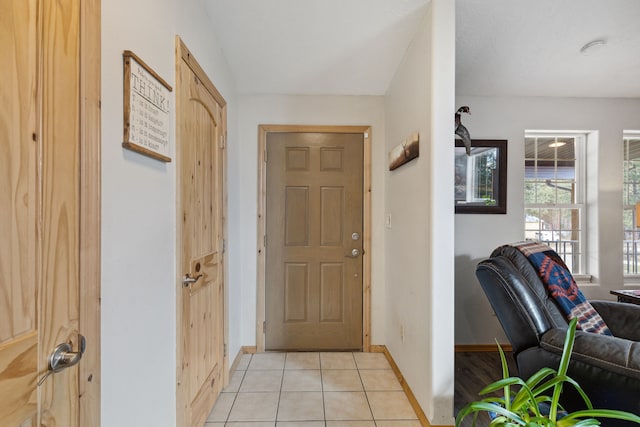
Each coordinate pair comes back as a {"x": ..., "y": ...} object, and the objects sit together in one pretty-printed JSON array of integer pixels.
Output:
[
  {"x": 501, "y": 384},
  {"x": 604, "y": 413},
  {"x": 564, "y": 366},
  {"x": 505, "y": 375},
  {"x": 488, "y": 407}
]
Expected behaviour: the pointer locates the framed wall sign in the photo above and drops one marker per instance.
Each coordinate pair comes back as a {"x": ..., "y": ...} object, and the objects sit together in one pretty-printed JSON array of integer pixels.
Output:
[
  {"x": 146, "y": 109},
  {"x": 481, "y": 178}
]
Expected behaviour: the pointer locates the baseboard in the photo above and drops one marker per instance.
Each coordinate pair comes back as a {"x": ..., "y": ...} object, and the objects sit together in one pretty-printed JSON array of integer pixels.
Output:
[
  {"x": 236, "y": 360},
  {"x": 481, "y": 348},
  {"x": 249, "y": 349},
  {"x": 407, "y": 390}
]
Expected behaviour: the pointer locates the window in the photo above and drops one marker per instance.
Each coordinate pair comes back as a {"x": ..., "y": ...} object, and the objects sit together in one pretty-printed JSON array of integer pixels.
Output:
[
  {"x": 554, "y": 194},
  {"x": 630, "y": 200}
]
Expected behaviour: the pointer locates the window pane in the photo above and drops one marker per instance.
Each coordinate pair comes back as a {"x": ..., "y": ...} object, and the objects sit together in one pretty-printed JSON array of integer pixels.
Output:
[
  {"x": 567, "y": 150},
  {"x": 631, "y": 196},
  {"x": 551, "y": 165},
  {"x": 529, "y": 148},
  {"x": 565, "y": 192}
]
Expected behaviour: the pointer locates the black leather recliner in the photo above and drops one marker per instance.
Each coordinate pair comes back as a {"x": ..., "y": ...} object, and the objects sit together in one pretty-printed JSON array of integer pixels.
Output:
[{"x": 607, "y": 368}]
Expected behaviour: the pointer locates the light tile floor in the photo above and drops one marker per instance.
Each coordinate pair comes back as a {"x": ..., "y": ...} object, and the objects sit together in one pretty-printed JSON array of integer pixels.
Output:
[{"x": 313, "y": 390}]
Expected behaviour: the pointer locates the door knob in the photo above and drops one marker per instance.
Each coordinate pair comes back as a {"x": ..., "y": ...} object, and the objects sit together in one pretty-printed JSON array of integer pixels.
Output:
[{"x": 354, "y": 253}]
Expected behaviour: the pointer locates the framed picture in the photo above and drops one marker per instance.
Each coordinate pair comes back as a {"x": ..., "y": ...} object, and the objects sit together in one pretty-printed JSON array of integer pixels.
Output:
[
  {"x": 408, "y": 150},
  {"x": 147, "y": 109},
  {"x": 481, "y": 177}
]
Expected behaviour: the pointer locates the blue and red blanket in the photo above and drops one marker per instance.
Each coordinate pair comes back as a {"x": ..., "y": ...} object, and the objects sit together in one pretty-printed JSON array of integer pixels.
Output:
[{"x": 560, "y": 283}]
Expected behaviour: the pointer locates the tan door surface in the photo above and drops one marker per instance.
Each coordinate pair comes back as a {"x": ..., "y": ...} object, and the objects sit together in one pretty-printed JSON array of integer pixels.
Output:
[
  {"x": 201, "y": 130},
  {"x": 314, "y": 223},
  {"x": 39, "y": 214}
]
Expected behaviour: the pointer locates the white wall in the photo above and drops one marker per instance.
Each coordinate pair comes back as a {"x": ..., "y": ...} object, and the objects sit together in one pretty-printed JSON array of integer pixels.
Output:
[
  {"x": 138, "y": 214},
  {"x": 419, "y": 198},
  {"x": 477, "y": 235},
  {"x": 307, "y": 110}
]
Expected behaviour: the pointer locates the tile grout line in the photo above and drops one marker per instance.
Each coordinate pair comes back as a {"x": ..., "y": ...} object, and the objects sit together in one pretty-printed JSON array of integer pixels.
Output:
[
  {"x": 237, "y": 392},
  {"x": 364, "y": 390},
  {"x": 324, "y": 408},
  {"x": 284, "y": 365}
]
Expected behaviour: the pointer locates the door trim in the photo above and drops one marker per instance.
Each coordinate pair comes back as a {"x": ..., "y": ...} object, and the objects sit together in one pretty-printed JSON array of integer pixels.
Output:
[
  {"x": 263, "y": 130},
  {"x": 90, "y": 210}
]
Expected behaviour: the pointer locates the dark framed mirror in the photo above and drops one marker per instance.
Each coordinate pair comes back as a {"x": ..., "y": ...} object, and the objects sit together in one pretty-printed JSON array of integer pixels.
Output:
[{"x": 481, "y": 177}]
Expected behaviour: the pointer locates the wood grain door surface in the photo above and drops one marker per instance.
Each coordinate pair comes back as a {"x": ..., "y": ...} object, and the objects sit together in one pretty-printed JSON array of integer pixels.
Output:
[
  {"x": 39, "y": 214},
  {"x": 314, "y": 224},
  {"x": 201, "y": 129}
]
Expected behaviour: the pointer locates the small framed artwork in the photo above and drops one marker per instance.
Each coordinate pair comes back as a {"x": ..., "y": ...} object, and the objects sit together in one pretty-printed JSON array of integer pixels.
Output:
[
  {"x": 404, "y": 152},
  {"x": 146, "y": 109},
  {"x": 481, "y": 177}
]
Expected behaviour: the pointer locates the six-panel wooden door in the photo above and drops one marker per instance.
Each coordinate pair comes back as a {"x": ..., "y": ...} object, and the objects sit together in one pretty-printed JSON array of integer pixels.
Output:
[{"x": 314, "y": 243}]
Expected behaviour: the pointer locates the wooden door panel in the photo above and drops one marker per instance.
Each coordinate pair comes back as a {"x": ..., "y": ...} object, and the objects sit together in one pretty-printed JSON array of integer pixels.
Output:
[
  {"x": 18, "y": 317},
  {"x": 40, "y": 219},
  {"x": 314, "y": 203},
  {"x": 201, "y": 127},
  {"x": 296, "y": 216},
  {"x": 59, "y": 319},
  {"x": 332, "y": 291},
  {"x": 296, "y": 290},
  {"x": 18, "y": 372},
  {"x": 331, "y": 216}
]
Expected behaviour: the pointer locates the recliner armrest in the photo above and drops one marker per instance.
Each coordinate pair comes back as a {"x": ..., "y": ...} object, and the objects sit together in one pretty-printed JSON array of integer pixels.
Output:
[
  {"x": 622, "y": 319},
  {"x": 609, "y": 353}
]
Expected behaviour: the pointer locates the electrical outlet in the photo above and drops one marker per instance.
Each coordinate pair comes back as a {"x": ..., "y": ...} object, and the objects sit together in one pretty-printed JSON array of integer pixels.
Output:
[
  {"x": 387, "y": 220},
  {"x": 402, "y": 333}
]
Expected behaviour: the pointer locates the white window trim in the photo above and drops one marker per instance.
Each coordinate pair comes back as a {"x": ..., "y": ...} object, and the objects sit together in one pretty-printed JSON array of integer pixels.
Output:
[
  {"x": 581, "y": 184},
  {"x": 631, "y": 134}
]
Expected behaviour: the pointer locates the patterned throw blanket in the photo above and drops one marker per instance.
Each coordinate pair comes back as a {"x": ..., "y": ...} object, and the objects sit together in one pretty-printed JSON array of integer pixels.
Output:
[{"x": 560, "y": 283}]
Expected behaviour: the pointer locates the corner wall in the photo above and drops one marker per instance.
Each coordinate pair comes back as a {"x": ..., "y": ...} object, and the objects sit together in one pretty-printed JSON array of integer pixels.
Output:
[
  {"x": 419, "y": 199},
  {"x": 477, "y": 235},
  {"x": 139, "y": 211}
]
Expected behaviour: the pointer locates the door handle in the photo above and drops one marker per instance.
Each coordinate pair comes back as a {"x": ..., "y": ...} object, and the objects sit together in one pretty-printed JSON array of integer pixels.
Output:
[
  {"x": 187, "y": 280},
  {"x": 63, "y": 358}
]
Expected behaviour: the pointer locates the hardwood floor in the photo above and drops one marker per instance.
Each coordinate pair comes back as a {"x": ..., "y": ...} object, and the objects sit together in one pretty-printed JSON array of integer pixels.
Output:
[{"x": 474, "y": 370}]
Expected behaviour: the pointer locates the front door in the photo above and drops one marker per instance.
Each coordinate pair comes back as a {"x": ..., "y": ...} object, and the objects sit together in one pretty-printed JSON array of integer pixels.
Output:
[
  {"x": 41, "y": 214},
  {"x": 201, "y": 123},
  {"x": 314, "y": 244}
]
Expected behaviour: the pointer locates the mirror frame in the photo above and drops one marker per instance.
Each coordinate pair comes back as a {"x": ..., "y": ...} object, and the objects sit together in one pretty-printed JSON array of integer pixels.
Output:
[{"x": 501, "y": 206}]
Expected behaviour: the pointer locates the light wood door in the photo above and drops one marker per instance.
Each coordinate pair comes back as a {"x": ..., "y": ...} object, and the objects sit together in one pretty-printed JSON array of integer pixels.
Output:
[
  {"x": 201, "y": 131},
  {"x": 314, "y": 209},
  {"x": 41, "y": 216}
]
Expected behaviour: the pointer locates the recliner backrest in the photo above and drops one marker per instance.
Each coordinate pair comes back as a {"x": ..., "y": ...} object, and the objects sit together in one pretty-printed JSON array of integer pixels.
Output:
[
  {"x": 548, "y": 305},
  {"x": 518, "y": 297}
]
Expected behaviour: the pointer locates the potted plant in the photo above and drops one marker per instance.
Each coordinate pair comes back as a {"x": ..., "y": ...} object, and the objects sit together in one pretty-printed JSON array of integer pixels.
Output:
[{"x": 536, "y": 402}]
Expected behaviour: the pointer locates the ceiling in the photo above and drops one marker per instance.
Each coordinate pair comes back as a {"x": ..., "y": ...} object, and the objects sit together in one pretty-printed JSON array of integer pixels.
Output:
[
  {"x": 350, "y": 47},
  {"x": 503, "y": 47},
  {"x": 532, "y": 48}
]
